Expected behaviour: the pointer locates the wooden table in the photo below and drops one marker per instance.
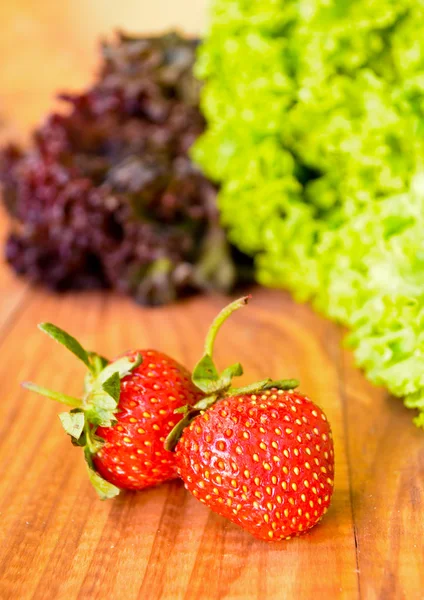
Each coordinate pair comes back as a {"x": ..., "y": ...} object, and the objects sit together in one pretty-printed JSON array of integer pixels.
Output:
[{"x": 57, "y": 541}]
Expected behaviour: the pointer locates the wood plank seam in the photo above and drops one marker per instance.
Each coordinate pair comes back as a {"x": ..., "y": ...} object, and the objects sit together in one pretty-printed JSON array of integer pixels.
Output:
[{"x": 344, "y": 399}]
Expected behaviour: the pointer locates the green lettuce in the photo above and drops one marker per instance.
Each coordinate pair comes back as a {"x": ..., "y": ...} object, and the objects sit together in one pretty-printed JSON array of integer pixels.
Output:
[{"x": 315, "y": 114}]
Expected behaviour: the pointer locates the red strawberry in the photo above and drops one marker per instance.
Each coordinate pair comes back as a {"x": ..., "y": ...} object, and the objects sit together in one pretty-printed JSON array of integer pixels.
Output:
[
  {"x": 133, "y": 456},
  {"x": 262, "y": 456},
  {"x": 125, "y": 415},
  {"x": 265, "y": 461}
]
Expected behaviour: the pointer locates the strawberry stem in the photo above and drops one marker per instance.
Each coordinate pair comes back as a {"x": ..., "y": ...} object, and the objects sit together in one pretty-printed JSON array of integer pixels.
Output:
[{"x": 219, "y": 320}]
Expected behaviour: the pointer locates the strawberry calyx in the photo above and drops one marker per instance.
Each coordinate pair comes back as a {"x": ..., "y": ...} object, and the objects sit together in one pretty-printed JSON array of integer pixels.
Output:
[
  {"x": 217, "y": 385},
  {"x": 97, "y": 406}
]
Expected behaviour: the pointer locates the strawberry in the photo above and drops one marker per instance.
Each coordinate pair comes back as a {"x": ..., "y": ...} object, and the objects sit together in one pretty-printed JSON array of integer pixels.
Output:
[
  {"x": 261, "y": 456},
  {"x": 125, "y": 414},
  {"x": 264, "y": 461}
]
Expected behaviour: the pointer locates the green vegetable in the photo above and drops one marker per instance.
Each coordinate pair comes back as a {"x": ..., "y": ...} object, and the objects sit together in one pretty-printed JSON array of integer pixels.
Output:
[{"x": 316, "y": 133}]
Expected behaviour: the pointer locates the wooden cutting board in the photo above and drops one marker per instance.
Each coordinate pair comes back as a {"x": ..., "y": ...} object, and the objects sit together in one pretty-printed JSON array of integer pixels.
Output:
[{"x": 57, "y": 541}]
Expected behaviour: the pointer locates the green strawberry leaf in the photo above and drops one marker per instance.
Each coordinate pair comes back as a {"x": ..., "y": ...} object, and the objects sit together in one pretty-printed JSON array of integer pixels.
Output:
[
  {"x": 99, "y": 415},
  {"x": 123, "y": 366},
  {"x": 112, "y": 386},
  {"x": 101, "y": 400},
  {"x": 215, "y": 383},
  {"x": 81, "y": 441},
  {"x": 203, "y": 404},
  {"x": 94, "y": 443},
  {"x": 205, "y": 374},
  {"x": 227, "y": 374},
  {"x": 175, "y": 434},
  {"x": 73, "y": 423},
  {"x": 57, "y": 396},
  {"x": 103, "y": 391},
  {"x": 64, "y": 338},
  {"x": 182, "y": 410},
  {"x": 265, "y": 384},
  {"x": 282, "y": 384},
  {"x": 104, "y": 489}
]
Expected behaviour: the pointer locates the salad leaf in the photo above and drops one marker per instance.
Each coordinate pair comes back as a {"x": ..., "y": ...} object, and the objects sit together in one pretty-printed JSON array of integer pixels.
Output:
[{"x": 315, "y": 114}]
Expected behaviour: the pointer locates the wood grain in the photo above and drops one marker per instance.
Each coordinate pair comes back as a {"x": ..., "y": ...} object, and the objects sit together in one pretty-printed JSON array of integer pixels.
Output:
[
  {"x": 57, "y": 541},
  {"x": 52, "y": 522},
  {"x": 386, "y": 458}
]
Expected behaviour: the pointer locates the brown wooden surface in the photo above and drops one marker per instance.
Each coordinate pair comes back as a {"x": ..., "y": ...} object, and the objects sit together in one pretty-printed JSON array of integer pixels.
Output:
[{"x": 57, "y": 541}]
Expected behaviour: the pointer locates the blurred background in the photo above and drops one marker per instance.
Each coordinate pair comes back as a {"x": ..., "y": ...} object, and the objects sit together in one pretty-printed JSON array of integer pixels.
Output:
[
  {"x": 46, "y": 46},
  {"x": 133, "y": 117},
  {"x": 262, "y": 156}
]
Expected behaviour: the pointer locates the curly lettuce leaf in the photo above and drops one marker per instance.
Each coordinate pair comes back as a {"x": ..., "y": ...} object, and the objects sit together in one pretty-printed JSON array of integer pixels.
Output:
[{"x": 315, "y": 114}]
